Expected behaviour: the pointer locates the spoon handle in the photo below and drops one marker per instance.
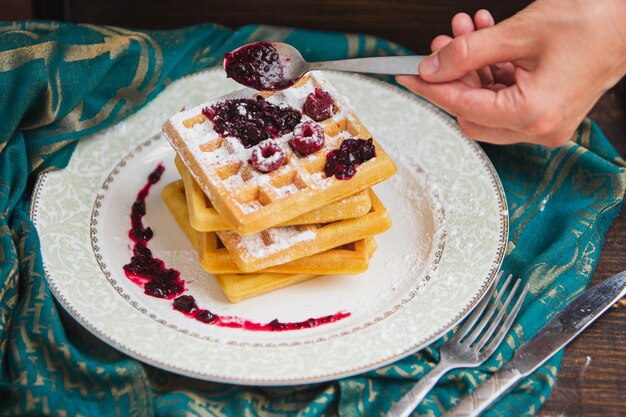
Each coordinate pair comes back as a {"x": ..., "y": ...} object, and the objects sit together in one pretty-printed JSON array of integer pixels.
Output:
[{"x": 375, "y": 65}]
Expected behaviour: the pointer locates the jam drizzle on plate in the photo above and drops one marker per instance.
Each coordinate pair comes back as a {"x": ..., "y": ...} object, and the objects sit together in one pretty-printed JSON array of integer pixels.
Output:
[{"x": 159, "y": 281}]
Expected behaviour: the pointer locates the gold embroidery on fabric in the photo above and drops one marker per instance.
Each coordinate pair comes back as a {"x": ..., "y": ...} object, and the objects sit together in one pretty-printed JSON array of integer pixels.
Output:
[
  {"x": 46, "y": 150},
  {"x": 510, "y": 248},
  {"x": 111, "y": 45},
  {"x": 529, "y": 209},
  {"x": 39, "y": 25},
  {"x": 585, "y": 134},
  {"x": 13, "y": 29},
  {"x": 358, "y": 387},
  {"x": 203, "y": 56},
  {"x": 142, "y": 68},
  {"x": 543, "y": 275},
  {"x": 10, "y": 283},
  {"x": 51, "y": 108},
  {"x": 270, "y": 33},
  {"x": 353, "y": 45},
  {"x": 370, "y": 45},
  {"x": 133, "y": 94},
  {"x": 17, "y": 57}
]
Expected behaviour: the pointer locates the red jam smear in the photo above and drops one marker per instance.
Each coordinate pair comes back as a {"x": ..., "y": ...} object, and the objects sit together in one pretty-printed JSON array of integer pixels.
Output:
[
  {"x": 252, "y": 121},
  {"x": 159, "y": 281},
  {"x": 144, "y": 269},
  {"x": 256, "y": 65},
  {"x": 189, "y": 308},
  {"x": 342, "y": 162}
]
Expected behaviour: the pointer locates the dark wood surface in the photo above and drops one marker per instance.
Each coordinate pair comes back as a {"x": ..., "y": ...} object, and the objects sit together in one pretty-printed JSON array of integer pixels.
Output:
[{"x": 592, "y": 381}]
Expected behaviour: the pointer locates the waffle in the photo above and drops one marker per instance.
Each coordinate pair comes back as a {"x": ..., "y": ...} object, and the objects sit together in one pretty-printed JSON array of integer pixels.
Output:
[
  {"x": 350, "y": 258},
  {"x": 205, "y": 218},
  {"x": 251, "y": 201},
  {"x": 237, "y": 286},
  {"x": 279, "y": 245}
]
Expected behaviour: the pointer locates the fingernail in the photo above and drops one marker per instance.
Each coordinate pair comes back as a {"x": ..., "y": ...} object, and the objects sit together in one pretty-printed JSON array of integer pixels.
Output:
[{"x": 430, "y": 65}]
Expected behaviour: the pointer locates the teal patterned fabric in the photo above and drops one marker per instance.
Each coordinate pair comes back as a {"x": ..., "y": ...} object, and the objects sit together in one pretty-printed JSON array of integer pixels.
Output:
[{"x": 61, "y": 82}]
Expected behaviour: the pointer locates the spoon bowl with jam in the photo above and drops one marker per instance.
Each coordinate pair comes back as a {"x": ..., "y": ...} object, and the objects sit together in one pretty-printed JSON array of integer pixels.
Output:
[{"x": 276, "y": 65}]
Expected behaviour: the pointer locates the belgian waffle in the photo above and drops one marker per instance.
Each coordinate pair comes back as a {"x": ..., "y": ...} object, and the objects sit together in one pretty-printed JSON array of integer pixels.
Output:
[
  {"x": 205, "y": 218},
  {"x": 239, "y": 287},
  {"x": 279, "y": 245},
  {"x": 350, "y": 258},
  {"x": 252, "y": 201}
]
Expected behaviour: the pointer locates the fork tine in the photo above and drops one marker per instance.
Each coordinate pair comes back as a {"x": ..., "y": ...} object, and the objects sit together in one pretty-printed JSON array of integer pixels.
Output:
[
  {"x": 497, "y": 339},
  {"x": 498, "y": 319},
  {"x": 478, "y": 311},
  {"x": 489, "y": 314}
]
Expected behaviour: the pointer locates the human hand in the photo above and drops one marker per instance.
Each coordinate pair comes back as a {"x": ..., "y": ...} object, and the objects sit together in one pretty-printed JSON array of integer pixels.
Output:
[{"x": 530, "y": 78}]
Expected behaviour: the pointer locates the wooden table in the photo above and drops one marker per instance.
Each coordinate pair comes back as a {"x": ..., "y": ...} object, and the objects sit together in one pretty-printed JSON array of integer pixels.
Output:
[{"x": 592, "y": 381}]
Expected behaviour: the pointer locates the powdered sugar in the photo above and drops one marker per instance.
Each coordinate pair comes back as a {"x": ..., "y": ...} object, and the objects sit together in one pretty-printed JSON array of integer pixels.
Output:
[
  {"x": 197, "y": 136},
  {"x": 268, "y": 156},
  {"x": 282, "y": 238}
]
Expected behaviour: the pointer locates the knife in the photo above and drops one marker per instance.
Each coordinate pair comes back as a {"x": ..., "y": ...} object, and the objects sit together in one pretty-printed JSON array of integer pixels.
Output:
[{"x": 554, "y": 335}]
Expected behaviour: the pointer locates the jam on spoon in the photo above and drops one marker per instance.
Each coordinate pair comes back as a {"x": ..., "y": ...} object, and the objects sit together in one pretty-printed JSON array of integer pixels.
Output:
[
  {"x": 257, "y": 65},
  {"x": 277, "y": 65}
]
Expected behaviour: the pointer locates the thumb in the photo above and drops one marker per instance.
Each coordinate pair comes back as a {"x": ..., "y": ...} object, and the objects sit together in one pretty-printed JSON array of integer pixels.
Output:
[{"x": 472, "y": 51}]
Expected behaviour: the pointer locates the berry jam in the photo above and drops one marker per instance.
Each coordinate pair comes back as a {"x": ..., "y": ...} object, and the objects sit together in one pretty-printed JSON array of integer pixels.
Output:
[
  {"x": 267, "y": 157},
  {"x": 159, "y": 281},
  {"x": 308, "y": 137},
  {"x": 252, "y": 121},
  {"x": 318, "y": 105},
  {"x": 256, "y": 65},
  {"x": 342, "y": 162},
  {"x": 143, "y": 268},
  {"x": 191, "y": 310}
]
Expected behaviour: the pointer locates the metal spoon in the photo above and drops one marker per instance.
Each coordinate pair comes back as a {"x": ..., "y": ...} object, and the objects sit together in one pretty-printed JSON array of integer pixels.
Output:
[{"x": 294, "y": 66}]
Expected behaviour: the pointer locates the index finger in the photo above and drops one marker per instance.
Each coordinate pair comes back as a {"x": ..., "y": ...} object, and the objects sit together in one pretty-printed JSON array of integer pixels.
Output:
[
  {"x": 474, "y": 50},
  {"x": 483, "y": 106}
]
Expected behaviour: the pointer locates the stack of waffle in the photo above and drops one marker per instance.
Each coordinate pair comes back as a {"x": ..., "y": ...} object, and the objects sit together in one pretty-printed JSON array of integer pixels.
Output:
[{"x": 260, "y": 231}]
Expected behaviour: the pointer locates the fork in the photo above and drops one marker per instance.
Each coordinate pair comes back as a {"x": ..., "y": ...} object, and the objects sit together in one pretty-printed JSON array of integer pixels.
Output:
[{"x": 471, "y": 345}]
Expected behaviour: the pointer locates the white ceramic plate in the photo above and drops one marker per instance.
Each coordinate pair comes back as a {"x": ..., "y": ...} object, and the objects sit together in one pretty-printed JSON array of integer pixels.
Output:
[{"x": 449, "y": 234}]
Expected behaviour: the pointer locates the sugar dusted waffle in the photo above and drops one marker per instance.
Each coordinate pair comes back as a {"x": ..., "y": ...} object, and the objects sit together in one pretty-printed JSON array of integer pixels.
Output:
[
  {"x": 227, "y": 168},
  {"x": 205, "y": 218},
  {"x": 350, "y": 258},
  {"x": 279, "y": 245},
  {"x": 239, "y": 286}
]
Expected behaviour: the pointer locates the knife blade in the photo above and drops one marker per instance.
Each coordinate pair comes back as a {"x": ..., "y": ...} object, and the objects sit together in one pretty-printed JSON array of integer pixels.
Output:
[{"x": 553, "y": 336}]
